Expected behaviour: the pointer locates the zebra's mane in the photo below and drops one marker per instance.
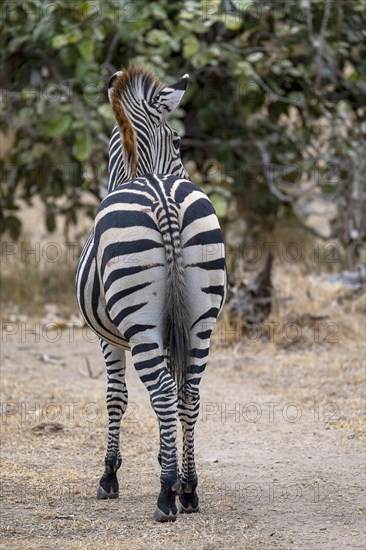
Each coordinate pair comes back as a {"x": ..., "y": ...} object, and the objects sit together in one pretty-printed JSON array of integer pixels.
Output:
[
  {"x": 134, "y": 84},
  {"x": 138, "y": 82}
]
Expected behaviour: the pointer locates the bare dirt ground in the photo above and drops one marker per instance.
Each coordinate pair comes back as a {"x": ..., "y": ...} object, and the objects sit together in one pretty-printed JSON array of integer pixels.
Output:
[{"x": 279, "y": 445}]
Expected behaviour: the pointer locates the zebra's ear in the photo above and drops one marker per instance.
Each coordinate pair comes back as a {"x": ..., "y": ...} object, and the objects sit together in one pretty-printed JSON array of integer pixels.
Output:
[{"x": 169, "y": 98}]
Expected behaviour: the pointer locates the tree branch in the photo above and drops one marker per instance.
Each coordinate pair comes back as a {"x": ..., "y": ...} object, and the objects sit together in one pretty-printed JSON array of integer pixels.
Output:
[
  {"x": 112, "y": 48},
  {"x": 309, "y": 21},
  {"x": 276, "y": 96},
  {"x": 320, "y": 55},
  {"x": 58, "y": 78}
]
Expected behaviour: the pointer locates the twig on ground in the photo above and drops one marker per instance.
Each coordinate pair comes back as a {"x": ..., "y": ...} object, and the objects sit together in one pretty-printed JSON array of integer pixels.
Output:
[{"x": 90, "y": 372}]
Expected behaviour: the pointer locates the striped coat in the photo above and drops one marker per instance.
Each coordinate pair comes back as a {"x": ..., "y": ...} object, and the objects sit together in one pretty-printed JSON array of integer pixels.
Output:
[{"x": 152, "y": 279}]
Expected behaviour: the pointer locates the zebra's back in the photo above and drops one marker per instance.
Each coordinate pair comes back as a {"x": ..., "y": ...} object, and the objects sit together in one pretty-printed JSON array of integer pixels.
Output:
[{"x": 138, "y": 229}]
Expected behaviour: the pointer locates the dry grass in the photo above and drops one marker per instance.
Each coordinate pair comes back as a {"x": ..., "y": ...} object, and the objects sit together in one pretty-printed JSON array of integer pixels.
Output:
[
  {"x": 307, "y": 312},
  {"x": 51, "y": 463},
  {"x": 31, "y": 281},
  {"x": 316, "y": 329}
]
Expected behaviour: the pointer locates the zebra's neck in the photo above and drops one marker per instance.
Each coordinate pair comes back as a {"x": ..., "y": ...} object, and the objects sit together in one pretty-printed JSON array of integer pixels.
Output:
[{"x": 119, "y": 171}]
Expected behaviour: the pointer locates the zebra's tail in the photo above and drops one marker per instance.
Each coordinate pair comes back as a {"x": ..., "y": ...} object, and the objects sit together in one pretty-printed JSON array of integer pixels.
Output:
[{"x": 176, "y": 312}]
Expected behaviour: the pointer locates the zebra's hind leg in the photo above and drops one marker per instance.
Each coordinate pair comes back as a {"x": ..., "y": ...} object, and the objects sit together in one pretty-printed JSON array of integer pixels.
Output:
[
  {"x": 117, "y": 398},
  {"x": 159, "y": 453},
  {"x": 151, "y": 367},
  {"x": 188, "y": 409}
]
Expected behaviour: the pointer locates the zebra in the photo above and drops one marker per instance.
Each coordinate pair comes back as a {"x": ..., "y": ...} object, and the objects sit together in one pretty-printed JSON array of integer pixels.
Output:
[{"x": 152, "y": 279}]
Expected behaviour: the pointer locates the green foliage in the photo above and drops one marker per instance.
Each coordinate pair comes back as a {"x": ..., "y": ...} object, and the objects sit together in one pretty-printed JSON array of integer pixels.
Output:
[{"x": 268, "y": 80}]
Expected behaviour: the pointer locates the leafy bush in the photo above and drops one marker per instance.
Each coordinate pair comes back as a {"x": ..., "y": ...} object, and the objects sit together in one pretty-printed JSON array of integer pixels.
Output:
[{"x": 274, "y": 114}]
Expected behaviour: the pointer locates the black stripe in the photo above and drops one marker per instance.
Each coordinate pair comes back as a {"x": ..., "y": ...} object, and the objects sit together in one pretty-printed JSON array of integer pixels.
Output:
[
  {"x": 143, "y": 348},
  {"x": 219, "y": 290},
  {"x": 126, "y": 197},
  {"x": 214, "y": 236},
  {"x": 153, "y": 376},
  {"x": 121, "y": 218},
  {"x": 213, "y": 264},
  {"x": 201, "y": 208},
  {"x": 123, "y": 293},
  {"x": 184, "y": 189},
  {"x": 211, "y": 313},
  {"x": 196, "y": 369},
  {"x": 204, "y": 335},
  {"x": 139, "y": 365},
  {"x": 132, "y": 331},
  {"x": 125, "y": 272},
  {"x": 199, "y": 353},
  {"x": 94, "y": 298},
  {"x": 125, "y": 248},
  {"x": 125, "y": 312}
]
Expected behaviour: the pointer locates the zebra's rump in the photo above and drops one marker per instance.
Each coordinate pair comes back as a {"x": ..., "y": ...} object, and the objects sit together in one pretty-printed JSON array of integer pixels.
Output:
[{"x": 139, "y": 228}]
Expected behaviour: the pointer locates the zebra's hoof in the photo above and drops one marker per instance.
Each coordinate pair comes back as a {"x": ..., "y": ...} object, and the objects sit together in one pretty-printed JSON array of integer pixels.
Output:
[
  {"x": 187, "y": 510},
  {"x": 108, "y": 485},
  {"x": 102, "y": 494},
  {"x": 166, "y": 509},
  {"x": 162, "y": 517},
  {"x": 188, "y": 502}
]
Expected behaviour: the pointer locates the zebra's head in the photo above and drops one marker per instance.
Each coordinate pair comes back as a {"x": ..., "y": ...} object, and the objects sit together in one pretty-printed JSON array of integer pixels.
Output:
[{"x": 140, "y": 103}]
